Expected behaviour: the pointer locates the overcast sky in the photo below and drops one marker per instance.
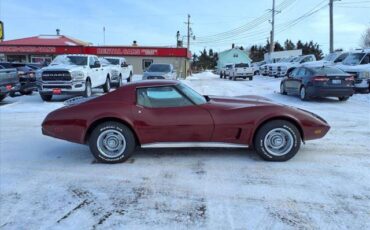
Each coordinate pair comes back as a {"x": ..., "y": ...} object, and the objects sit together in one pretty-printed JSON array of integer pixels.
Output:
[{"x": 155, "y": 22}]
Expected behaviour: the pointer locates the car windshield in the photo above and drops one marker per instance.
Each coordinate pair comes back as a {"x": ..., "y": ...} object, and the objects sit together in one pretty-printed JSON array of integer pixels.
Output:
[
  {"x": 70, "y": 60},
  {"x": 353, "y": 59},
  {"x": 113, "y": 61},
  {"x": 327, "y": 70},
  {"x": 241, "y": 65},
  {"x": 192, "y": 94},
  {"x": 330, "y": 57},
  {"x": 159, "y": 68},
  {"x": 296, "y": 59},
  {"x": 104, "y": 62}
]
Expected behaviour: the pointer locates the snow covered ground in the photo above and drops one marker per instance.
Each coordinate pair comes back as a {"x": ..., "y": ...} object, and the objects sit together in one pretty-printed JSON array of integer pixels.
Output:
[{"x": 47, "y": 183}]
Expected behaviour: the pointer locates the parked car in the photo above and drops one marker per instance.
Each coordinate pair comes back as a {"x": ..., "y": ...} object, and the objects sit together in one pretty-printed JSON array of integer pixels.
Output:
[
  {"x": 168, "y": 113},
  {"x": 160, "y": 71},
  {"x": 225, "y": 71},
  {"x": 329, "y": 60},
  {"x": 241, "y": 70},
  {"x": 71, "y": 74},
  {"x": 8, "y": 79},
  {"x": 285, "y": 68},
  {"x": 314, "y": 82},
  {"x": 26, "y": 78},
  {"x": 256, "y": 67},
  {"x": 358, "y": 64},
  {"x": 125, "y": 70}
]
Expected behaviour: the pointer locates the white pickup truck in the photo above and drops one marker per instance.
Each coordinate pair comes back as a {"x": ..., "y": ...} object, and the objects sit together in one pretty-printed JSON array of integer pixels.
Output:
[
  {"x": 285, "y": 68},
  {"x": 241, "y": 70},
  {"x": 331, "y": 59},
  {"x": 73, "y": 74},
  {"x": 358, "y": 64},
  {"x": 125, "y": 70}
]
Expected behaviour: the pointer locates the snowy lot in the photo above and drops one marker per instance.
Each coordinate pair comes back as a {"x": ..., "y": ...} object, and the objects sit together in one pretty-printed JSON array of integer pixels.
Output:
[{"x": 52, "y": 184}]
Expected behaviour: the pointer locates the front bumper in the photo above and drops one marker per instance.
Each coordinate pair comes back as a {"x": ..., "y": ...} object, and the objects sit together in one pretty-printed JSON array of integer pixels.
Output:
[
  {"x": 317, "y": 91},
  {"x": 65, "y": 87},
  {"x": 362, "y": 85}
]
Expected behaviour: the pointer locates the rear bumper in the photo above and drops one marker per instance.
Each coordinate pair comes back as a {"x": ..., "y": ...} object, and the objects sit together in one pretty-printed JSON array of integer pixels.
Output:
[
  {"x": 362, "y": 85},
  {"x": 330, "y": 92}
]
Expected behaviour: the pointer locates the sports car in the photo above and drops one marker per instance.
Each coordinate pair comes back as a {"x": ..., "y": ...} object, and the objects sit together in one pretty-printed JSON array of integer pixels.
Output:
[{"x": 168, "y": 113}]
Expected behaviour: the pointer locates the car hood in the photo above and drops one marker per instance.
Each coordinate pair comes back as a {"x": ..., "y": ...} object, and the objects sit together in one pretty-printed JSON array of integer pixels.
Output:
[
  {"x": 241, "y": 101},
  {"x": 65, "y": 67},
  {"x": 354, "y": 68}
]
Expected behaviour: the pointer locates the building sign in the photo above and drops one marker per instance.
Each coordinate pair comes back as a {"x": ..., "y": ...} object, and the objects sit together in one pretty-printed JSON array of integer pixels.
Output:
[
  {"x": 1, "y": 30},
  {"x": 27, "y": 49},
  {"x": 127, "y": 51}
]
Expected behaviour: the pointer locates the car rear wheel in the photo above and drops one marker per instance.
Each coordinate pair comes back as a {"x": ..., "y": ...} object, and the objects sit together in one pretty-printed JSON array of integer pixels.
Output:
[
  {"x": 129, "y": 78},
  {"x": 106, "y": 86},
  {"x": 303, "y": 94},
  {"x": 277, "y": 140},
  {"x": 112, "y": 142},
  {"x": 221, "y": 75},
  {"x": 46, "y": 97},
  {"x": 343, "y": 98},
  {"x": 282, "y": 89}
]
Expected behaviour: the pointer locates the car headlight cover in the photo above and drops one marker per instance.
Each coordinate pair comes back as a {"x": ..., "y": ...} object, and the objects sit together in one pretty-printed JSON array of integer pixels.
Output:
[
  {"x": 365, "y": 74},
  {"x": 77, "y": 75}
]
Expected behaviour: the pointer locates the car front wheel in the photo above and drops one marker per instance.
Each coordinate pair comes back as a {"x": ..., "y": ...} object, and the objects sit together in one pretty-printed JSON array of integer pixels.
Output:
[
  {"x": 112, "y": 142},
  {"x": 282, "y": 89},
  {"x": 277, "y": 140},
  {"x": 88, "y": 90}
]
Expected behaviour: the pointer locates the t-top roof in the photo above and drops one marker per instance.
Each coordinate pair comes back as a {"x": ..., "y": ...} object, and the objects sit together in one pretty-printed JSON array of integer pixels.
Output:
[{"x": 46, "y": 40}]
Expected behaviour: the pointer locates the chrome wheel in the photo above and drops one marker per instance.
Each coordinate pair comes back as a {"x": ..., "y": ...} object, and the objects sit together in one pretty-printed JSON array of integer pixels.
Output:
[
  {"x": 111, "y": 143},
  {"x": 278, "y": 142}
]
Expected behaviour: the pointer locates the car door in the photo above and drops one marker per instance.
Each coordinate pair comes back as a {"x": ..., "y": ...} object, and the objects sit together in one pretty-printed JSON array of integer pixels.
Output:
[
  {"x": 163, "y": 114},
  {"x": 289, "y": 82},
  {"x": 297, "y": 80}
]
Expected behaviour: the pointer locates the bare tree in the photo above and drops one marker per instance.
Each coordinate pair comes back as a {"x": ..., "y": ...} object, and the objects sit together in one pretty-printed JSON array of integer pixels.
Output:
[{"x": 365, "y": 39}]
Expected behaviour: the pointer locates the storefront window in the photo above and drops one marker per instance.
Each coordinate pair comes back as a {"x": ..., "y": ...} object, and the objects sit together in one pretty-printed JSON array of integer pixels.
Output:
[{"x": 16, "y": 58}]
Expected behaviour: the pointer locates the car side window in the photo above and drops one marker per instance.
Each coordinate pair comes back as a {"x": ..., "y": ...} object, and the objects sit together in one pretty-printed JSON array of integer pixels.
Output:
[
  {"x": 301, "y": 73},
  {"x": 91, "y": 61},
  {"x": 161, "y": 97},
  {"x": 294, "y": 72}
]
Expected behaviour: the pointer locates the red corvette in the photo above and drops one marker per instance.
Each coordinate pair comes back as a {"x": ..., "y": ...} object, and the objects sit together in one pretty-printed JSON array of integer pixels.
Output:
[{"x": 171, "y": 114}]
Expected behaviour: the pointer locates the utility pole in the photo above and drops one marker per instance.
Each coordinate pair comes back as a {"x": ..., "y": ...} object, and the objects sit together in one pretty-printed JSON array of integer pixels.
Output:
[
  {"x": 272, "y": 43},
  {"x": 188, "y": 37},
  {"x": 331, "y": 26},
  {"x": 187, "y": 44},
  {"x": 103, "y": 35}
]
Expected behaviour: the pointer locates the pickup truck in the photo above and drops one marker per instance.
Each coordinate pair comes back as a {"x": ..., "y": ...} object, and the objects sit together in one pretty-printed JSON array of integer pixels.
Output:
[
  {"x": 241, "y": 70},
  {"x": 358, "y": 65},
  {"x": 125, "y": 71},
  {"x": 8, "y": 79},
  {"x": 225, "y": 71},
  {"x": 74, "y": 74},
  {"x": 331, "y": 59},
  {"x": 285, "y": 68}
]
